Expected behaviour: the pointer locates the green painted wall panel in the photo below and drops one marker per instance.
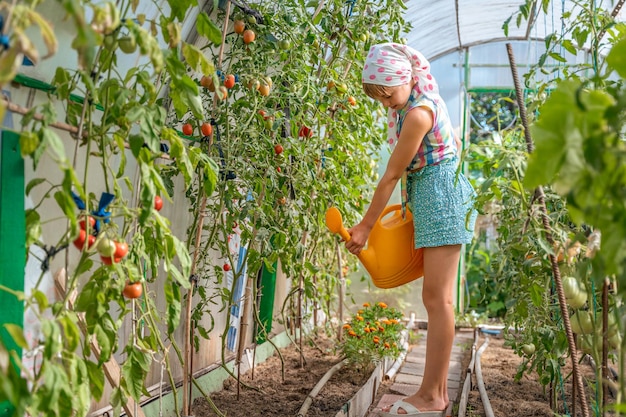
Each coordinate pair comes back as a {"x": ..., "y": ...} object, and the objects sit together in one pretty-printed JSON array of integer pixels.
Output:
[{"x": 12, "y": 240}]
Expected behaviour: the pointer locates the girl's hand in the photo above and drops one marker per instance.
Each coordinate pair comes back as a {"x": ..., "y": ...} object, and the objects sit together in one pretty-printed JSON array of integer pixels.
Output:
[{"x": 358, "y": 239}]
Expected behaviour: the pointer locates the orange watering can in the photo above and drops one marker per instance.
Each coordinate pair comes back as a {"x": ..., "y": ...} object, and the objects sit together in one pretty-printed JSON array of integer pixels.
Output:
[{"x": 390, "y": 257}]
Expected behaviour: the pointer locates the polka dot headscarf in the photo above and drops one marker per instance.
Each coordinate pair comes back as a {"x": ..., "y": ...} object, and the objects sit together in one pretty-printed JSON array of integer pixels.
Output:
[{"x": 394, "y": 64}]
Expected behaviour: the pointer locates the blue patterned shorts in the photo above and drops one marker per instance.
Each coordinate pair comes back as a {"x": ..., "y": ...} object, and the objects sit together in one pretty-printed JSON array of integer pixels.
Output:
[{"x": 442, "y": 205}]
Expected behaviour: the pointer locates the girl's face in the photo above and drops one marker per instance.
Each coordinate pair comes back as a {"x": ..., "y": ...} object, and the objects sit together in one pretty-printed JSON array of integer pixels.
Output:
[{"x": 397, "y": 98}]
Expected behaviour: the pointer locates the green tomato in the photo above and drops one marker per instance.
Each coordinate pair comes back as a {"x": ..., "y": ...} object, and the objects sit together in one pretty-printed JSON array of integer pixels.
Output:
[
  {"x": 581, "y": 322},
  {"x": 615, "y": 340},
  {"x": 284, "y": 44},
  {"x": 585, "y": 343},
  {"x": 578, "y": 301},
  {"x": 570, "y": 287},
  {"x": 528, "y": 349},
  {"x": 106, "y": 247},
  {"x": 128, "y": 45}
]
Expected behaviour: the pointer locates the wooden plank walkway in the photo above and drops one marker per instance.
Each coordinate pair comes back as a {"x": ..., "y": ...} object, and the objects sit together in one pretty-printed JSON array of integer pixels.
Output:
[{"x": 409, "y": 377}]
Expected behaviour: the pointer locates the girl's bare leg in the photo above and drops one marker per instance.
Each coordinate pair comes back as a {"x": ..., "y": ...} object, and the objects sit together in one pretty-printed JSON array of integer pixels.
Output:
[{"x": 440, "y": 273}]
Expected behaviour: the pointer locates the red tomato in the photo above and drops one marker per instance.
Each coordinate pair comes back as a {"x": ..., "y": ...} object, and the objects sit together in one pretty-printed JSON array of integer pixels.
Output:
[
  {"x": 107, "y": 260},
  {"x": 207, "y": 129},
  {"x": 92, "y": 223},
  {"x": 278, "y": 169},
  {"x": 91, "y": 240},
  {"x": 305, "y": 132},
  {"x": 158, "y": 203},
  {"x": 133, "y": 290},
  {"x": 226, "y": 267},
  {"x": 187, "y": 129},
  {"x": 229, "y": 81},
  {"x": 121, "y": 249},
  {"x": 79, "y": 242},
  {"x": 278, "y": 149}
]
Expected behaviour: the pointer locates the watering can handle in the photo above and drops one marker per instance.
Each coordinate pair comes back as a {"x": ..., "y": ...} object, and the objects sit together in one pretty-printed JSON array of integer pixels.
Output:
[{"x": 334, "y": 223}]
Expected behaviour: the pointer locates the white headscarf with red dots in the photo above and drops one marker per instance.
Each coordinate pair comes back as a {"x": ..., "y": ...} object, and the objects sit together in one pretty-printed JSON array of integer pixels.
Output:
[{"x": 393, "y": 64}]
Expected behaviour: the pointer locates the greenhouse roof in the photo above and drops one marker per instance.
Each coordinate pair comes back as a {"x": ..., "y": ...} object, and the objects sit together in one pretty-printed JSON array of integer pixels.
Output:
[{"x": 445, "y": 26}]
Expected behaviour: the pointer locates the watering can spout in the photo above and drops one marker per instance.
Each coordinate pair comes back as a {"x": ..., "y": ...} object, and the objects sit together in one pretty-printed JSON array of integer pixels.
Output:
[
  {"x": 334, "y": 222},
  {"x": 390, "y": 256}
]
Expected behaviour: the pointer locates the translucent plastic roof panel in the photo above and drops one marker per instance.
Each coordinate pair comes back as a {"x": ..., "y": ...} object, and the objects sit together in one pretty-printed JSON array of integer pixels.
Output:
[{"x": 440, "y": 27}]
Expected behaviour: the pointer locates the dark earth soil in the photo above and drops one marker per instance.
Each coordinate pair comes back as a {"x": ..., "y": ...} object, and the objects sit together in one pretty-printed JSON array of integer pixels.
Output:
[
  {"x": 523, "y": 398},
  {"x": 275, "y": 397}
]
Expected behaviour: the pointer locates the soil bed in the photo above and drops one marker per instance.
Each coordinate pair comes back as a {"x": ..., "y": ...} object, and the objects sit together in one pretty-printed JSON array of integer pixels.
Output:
[
  {"x": 523, "y": 398},
  {"x": 283, "y": 399},
  {"x": 499, "y": 364}
]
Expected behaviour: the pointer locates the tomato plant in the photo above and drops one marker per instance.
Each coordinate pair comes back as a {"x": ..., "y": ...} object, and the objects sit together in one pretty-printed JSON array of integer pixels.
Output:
[{"x": 135, "y": 153}]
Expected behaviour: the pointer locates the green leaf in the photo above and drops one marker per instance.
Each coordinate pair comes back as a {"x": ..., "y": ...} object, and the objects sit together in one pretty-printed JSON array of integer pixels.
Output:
[
  {"x": 103, "y": 342},
  {"x": 210, "y": 177},
  {"x": 197, "y": 60},
  {"x": 17, "y": 334},
  {"x": 617, "y": 58},
  {"x": 136, "y": 143},
  {"x": 33, "y": 227},
  {"x": 71, "y": 334},
  {"x": 172, "y": 298},
  {"x": 180, "y": 7},
  {"x": 134, "y": 371},
  {"x": 208, "y": 29},
  {"x": 33, "y": 183},
  {"x": 51, "y": 139},
  {"x": 29, "y": 142},
  {"x": 556, "y": 122}
]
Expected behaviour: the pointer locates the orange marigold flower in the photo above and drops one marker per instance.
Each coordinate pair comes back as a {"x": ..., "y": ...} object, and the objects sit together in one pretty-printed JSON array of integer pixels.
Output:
[
  {"x": 387, "y": 322},
  {"x": 346, "y": 326},
  {"x": 376, "y": 339},
  {"x": 367, "y": 329},
  {"x": 386, "y": 345},
  {"x": 366, "y": 304},
  {"x": 352, "y": 333},
  {"x": 359, "y": 318},
  {"x": 394, "y": 321},
  {"x": 394, "y": 344},
  {"x": 382, "y": 305},
  {"x": 360, "y": 312},
  {"x": 381, "y": 329}
]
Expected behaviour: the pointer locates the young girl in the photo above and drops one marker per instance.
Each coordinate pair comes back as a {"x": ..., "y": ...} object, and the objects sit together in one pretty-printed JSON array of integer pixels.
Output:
[{"x": 425, "y": 150}]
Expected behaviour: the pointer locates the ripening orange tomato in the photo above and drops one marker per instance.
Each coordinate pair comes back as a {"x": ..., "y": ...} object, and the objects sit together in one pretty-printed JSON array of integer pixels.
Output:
[
  {"x": 207, "y": 129},
  {"x": 264, "y": 89},
  {"x": 248, "y": 36},
  {"x": 239, "y": 26},
  {"x": 229, "y": 81}
]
